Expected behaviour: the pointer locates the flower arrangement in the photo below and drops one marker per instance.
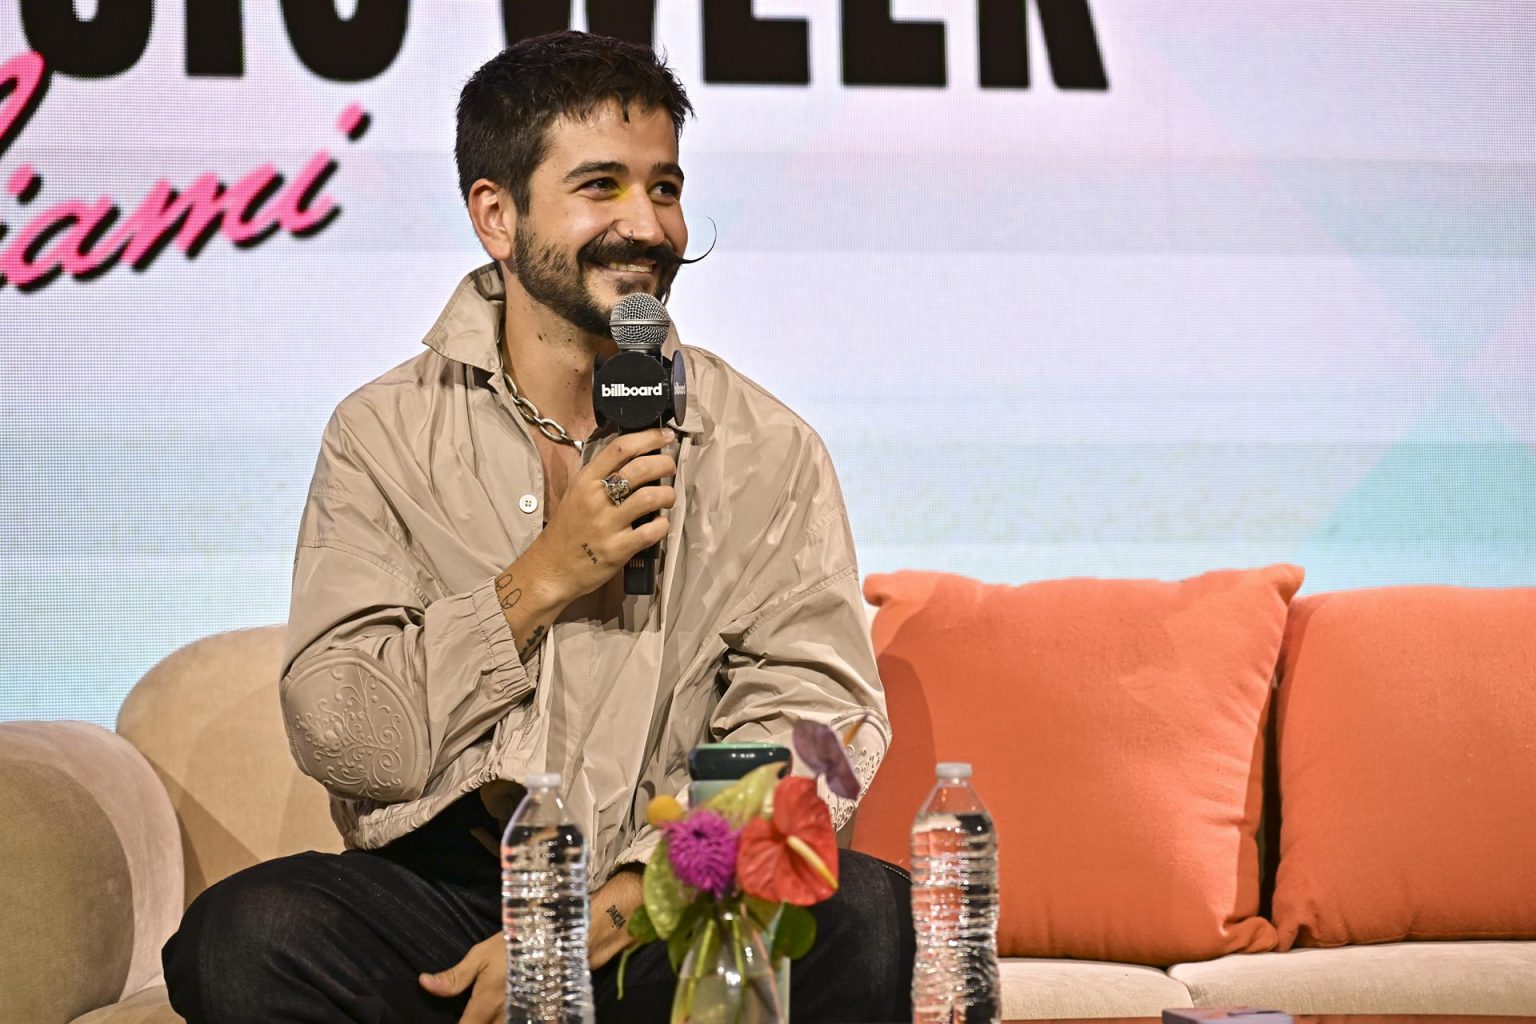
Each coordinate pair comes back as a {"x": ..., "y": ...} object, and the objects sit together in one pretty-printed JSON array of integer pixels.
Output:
[{"x": 745, "y": 864}]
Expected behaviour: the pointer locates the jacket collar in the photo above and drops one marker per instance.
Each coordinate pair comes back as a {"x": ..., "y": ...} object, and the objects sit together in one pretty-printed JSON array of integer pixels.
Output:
[{"x": 467, "y": 328}]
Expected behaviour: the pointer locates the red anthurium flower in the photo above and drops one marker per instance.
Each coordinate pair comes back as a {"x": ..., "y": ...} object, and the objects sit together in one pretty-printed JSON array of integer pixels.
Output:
[{"x": 793, "y": 856}]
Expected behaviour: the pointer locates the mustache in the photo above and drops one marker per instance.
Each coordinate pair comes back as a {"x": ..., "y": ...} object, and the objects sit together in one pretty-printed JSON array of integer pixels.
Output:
[
  {"x": 666, "y": 258},
  {"x": 602, "y": 251}
]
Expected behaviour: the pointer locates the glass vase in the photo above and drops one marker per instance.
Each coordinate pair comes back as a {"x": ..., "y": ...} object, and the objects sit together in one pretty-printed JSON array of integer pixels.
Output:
[{"x": 728, "y": 978}]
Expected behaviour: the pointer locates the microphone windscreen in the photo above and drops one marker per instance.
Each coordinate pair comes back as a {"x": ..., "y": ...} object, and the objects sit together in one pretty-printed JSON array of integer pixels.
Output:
[{"x": 639, "y": 320}]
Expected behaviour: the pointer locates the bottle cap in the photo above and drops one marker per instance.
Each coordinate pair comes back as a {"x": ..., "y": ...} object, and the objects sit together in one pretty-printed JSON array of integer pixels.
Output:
[
  {"x": 543, "y": 780},
  {"x": 953, "y": 770}
]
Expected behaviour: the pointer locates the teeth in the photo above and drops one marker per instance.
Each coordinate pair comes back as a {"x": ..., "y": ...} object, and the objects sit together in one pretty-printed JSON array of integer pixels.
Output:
[{"x": 635, "y": 267}]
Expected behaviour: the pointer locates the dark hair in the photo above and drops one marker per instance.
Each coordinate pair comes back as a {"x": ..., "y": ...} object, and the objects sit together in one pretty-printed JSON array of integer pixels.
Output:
[{"x": 506, "y": 107}]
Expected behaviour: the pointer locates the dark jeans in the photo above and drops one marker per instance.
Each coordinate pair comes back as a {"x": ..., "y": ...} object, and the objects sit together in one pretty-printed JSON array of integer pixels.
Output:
[{"x": 321, "y": 937}]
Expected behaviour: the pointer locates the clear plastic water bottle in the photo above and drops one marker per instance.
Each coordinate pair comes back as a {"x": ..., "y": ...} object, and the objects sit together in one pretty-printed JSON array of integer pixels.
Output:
[
  {"x": 544, "y": 910},
  {"x": 954, "y": 905}
]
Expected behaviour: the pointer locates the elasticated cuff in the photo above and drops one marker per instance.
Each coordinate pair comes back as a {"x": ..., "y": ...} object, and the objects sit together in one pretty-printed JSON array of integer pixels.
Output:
[{"x": 509, "y": 678}]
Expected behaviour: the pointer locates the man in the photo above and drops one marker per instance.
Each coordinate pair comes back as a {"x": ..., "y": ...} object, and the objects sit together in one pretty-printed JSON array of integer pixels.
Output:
[{"x": 459, "y": 619}]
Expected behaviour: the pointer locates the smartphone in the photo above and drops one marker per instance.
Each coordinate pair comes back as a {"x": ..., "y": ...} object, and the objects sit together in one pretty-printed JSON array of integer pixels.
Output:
[{"x": 1225, "y": 1015}]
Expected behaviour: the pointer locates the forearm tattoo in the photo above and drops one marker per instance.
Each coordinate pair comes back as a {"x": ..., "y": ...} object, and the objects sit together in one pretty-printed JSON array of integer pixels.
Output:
[
  {"x": 532, "y": 643},
  {"x": 616, "y": 917}
]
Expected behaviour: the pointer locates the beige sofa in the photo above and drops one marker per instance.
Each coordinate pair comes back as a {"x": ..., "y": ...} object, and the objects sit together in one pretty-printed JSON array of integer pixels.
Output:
[{"x": 107, "y": 837}]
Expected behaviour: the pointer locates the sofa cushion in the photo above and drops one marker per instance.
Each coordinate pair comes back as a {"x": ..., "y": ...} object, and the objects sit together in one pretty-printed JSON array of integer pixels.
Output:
[
  {"x": 1116, "y": 731},
  {"x": 1407, "y": 767},
  {"x": 1075, "y": 989},
  {"x": 1473, "y": 978},
  {"x": 92, "y": 870},
  {"x": 151, "y": 1006}
]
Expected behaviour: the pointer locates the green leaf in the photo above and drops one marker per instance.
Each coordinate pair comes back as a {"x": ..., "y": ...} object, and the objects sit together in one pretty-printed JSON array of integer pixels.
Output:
[
  {"x": 623, "y": 964},
  {"x": 640, "y": 927},
  {"x": 665, "y": 896},
  {"x": 697, "y": 925},
  {"x": 743, "y": 800},
  {"x": 764, "y": 912},
  {"x": 795, "y": 934},
  {"x": 677, "y": 949}
]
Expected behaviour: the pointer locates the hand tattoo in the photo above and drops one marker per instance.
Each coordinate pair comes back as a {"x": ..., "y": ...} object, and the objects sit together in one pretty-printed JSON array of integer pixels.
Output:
[
  {"x": 590, "y": 554},
  {"x": 616, "y": 917}
]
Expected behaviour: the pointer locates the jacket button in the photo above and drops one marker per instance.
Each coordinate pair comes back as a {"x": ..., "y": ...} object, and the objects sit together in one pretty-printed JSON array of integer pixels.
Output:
[{"x": 528, "y": 503}]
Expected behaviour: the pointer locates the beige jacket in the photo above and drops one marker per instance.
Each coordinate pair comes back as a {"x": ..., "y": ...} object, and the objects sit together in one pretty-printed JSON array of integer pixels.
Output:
[{"x": 402, "y": 689}]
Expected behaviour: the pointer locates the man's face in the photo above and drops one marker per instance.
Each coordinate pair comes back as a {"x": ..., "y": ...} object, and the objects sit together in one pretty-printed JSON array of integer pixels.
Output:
[{"x": 605, "y": 217}]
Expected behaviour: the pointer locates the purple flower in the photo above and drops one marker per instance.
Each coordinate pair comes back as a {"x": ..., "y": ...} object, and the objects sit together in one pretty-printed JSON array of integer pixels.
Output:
[{"x": 702, "y": 848}]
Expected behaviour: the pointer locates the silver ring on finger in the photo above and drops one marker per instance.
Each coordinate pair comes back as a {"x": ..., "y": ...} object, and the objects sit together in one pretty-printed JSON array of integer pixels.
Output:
[{"x": 617, "y": 487}]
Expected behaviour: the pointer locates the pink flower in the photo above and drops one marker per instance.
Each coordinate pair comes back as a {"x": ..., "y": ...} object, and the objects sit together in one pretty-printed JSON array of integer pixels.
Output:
[{"x": 702, "y": 848}]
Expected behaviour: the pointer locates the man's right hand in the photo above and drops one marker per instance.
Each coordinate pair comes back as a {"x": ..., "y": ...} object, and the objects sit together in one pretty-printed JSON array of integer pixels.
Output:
[{"x": 589, "y": 538}]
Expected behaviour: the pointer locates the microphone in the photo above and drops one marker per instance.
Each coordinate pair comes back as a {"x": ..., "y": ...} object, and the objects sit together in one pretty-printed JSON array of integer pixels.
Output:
[{"x": 636, "y": 390}]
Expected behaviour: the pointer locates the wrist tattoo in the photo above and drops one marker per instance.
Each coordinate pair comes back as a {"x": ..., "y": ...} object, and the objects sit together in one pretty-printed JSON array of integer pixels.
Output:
[
  {"x": 506, "y": 593},
  {"x": 616, "y": 917},
  {"x": 532, "y": 643},
  {"x": 590, "y": 553}
]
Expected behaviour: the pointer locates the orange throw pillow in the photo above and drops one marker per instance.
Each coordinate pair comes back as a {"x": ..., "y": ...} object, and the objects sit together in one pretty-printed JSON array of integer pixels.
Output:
[
  {"x": 1116, "y": 730},
  {"x": 1407, "y": 752}
]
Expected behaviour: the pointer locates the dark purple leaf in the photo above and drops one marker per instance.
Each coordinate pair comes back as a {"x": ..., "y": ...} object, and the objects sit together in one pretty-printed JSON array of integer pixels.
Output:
[{"x": 820, "y": 750}]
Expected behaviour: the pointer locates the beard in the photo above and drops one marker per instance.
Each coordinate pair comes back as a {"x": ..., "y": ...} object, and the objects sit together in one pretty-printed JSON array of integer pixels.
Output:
[{"x": 559, "y": 283}]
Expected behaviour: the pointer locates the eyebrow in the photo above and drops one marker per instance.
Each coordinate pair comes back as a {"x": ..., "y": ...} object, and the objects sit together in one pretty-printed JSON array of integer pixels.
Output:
[{"x": 615, "y": 167}]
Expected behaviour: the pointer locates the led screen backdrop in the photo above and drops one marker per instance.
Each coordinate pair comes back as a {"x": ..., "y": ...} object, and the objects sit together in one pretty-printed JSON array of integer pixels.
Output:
[{"x": 1120, "y": 288}]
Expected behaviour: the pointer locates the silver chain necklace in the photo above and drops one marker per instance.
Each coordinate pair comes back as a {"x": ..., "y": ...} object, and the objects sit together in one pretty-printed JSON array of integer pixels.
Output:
[{"x": 530, "y": 412}]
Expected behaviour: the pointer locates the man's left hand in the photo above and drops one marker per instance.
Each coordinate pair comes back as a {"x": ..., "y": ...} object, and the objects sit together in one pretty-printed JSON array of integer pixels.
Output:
[{"x": 484, "y": 967}]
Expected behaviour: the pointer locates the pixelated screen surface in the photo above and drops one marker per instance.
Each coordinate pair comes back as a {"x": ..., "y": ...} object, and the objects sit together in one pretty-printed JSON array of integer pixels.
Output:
[{"x": 1265, "y": 292}]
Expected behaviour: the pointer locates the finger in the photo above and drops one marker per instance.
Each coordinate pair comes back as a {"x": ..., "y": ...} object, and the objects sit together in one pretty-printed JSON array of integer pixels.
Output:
[
  {"x": 485, "y": 1003},
  {"x": 450, "y": 982},
  {"x": 644, "y": 535},
  {"x": 625, "y": 448},
  {"x": 621, "y": 547},
  {"x": 647, "y": 469},
  {"x": 647, "y": 500}
]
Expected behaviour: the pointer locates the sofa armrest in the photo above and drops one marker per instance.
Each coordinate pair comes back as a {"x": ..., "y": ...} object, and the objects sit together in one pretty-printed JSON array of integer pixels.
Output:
[
  {"x": 93, "y": 870},
  {"x": 208, "y": 720}
]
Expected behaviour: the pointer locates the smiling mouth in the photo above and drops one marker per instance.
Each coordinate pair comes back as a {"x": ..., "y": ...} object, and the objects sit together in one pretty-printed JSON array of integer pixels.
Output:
[{"x": 627, "y": 268}]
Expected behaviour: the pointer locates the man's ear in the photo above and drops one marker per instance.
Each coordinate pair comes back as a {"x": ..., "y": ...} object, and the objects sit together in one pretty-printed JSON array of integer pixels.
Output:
[{"x": 494, "y": 217}]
